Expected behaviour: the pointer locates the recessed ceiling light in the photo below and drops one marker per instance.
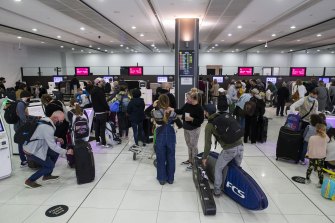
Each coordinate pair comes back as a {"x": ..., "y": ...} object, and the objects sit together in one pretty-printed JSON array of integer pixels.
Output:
[
  {"x": 89, "y": 52},
  {"x": 210, "y": 49},
  {"x": 59, "y": 37},
  {"x": 17, "y": 0},
  {"x": 207, "y": 51},
  {"x": 229, "y": 34},
  {"x": 291, "y": 50},
  {"x": 293, "y": 27},
  {"x": 76, "y": 41},
  {"x": 19, "y": 37},
  {"x": 72, "y": 49},
  {"x": 82, "y": 50},
  {"x": 236, "y": 49},
  {"x": 153, "y": 45},
  {"x": 332, "y": 52},
  {"x": 121, "y": 45},
  {"x": 239, "y": 27},
  {"x": 127, "y": 48},
  {"x": 34, "y": 30},
  {"x": 61, "y": 46},
  {"x": 319, "y": 35},
  {"x": 133, "y": 27},
  {"x": 142, "y": 34},
  {"x": 274, "y": 35},
  {"x": 213, "y": 47},
  {"x": 318, "y": 50},
  {"x": 222, "y": 40},
  {"x": 82, "y": 28},
  {"x": 216, "y": 44},
  {"x": 298, "y": 40},
  {"x": 105, "y": 50},
  {"x": 42, "y": 42},
  {"x": 257, "y": 51},
  {"x": 98, "y": 48},
  {"x": 90, "y": 46},
  {"x": 260, "y": 40}
]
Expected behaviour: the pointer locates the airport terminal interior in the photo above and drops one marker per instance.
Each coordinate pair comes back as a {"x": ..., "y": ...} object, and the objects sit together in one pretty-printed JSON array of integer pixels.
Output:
[{"x": 253, "y": 81}]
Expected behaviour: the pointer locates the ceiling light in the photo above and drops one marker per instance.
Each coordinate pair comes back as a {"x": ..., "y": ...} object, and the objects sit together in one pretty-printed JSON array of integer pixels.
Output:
[
  {"x": 34, "y": 30},
  {"x": 82, "y": 28},
  {"x": 132, "y": 50},
  {"x": 318, "y": 50},
  {"x": 274, "y": 35},
  {"x": 135, "y": 51},
  {"x": 237, "y": 49},
  {"x": 298, "y": 40},
  {"x": 90, "y": 46},
  {"x": 76, "y": 41},
  {"x": 105, "y": 50},
  {"x": 332, "y": 52},
  {"x": 216, "y": 44},
  {"x": 17, "y": 0},
  {"x": 291, "y": 50},
  {"x": 133, "y": 27},
  {"x": 293, "y": 27},
  {"x": 257, "y": 51},
  {"x": 98, "y": 48},
  {"x": 72, "y": 49},
  {"x": 229, "y": 34},
  {"x": 61, "y": 46},
  {"x": 89, "y": 52},
  {"x": 82, "y": 50},
  {"x": 207, "y": 51},
  {"x": 222, "y": 40},
  {"x": 121, "y": 45},
  {"x": 260, "y": 40},
  {"x": 282, "y": 51},
  {"x": 213, "y": 47},
  {"x": 141, "y": 34},
  {"x": 59, "y": 37},
  {"x": 266, "y": 44},
  {"x": 153, "y": 45},
  {"x": 233, "y": 51},
  {"x": 319, "y": 35},
  {"x": 42, "y": 42},
  {"x": 239, "y": 27},
  {"x": 19, "y": 37}
]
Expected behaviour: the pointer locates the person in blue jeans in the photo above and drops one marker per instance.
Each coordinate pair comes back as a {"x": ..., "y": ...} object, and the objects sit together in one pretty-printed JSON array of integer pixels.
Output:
[
  {"x": 135, "y": 110},
  {"x": 165, "y": 140},
  {"x": 44, "y": 150}
]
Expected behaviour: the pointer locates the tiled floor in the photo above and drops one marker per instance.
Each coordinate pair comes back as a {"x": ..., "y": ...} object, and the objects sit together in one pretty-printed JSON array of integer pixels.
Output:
[{"x": 126, "y": 191}]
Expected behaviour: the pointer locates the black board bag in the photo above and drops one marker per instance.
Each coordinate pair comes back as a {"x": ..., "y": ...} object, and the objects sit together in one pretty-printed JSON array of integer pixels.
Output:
[
  {"x": 289, "y": 144},
  {"x": 85, "y": 168},
  {"x": 201, "y": 183}
]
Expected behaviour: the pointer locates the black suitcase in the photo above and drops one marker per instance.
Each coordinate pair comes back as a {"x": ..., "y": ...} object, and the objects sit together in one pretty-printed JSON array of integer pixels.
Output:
[
  {"x": 263, "y": 130},
  {"x": 289, "y": 144},
  {"x": 201, "y": 183},
  {"x": 85, "y": 168}
]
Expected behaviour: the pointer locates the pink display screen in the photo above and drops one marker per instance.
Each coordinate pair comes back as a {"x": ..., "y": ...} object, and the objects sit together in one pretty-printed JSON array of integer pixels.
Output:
[
  {"x": 82, "y": 71},
  {"x": 245, "y": 71},
  {"x": 298, "y": 71},
  {"x": 135, "y": 71}
]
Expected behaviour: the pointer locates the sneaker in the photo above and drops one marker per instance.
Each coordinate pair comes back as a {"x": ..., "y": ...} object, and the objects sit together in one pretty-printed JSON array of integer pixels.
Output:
[
  {"x": 187, "y": 162},
  {"x": 189, "y": 167},
  {"x": 106, "y": 146},
  {"x": 302, "y": 162},
  {"x": 97, "y": 143},
  {"x": 307, "y": 181},
  {"x": 24, "y": 164},
  {"x": 50, "y": 178},
  {"x": 31, "y": 184},
  {"x": 319, "y": 185}
]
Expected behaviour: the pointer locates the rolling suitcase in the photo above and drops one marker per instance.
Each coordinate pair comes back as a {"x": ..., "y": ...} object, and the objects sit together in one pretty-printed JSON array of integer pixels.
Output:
[
  {"x": 263, "y": 131},
  {"x": 201, "y": 183},
  {"x": 85, "y": 168},
  {"x": 289, "y": 144},
  {"x": 238, "y": 184}
]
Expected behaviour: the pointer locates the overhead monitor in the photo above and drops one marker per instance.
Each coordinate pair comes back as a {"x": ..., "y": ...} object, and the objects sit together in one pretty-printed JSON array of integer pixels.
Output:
[
  {"x": 298, "y": 71},
  {"x": 57, "y": 79},
  {"x": 106, "y": 78},
  {"x": 218, "y": 79},
  {"x": 271, "y": 79},
  {"x": 162, "y": 79},
  {"x": 325, "y": 80},
  {"x": 124, "y": 70},
  {"x": 245, "y": 71},
  {"x": 186, "y": 62},
  {"x": 82, "y": 71},
  {"x": 135, "y": 71}
]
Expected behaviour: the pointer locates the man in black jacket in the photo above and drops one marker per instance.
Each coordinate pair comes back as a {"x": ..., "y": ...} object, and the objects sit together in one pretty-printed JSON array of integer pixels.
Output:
[
  {"x": 166, "y": 90},
  {"x": 101, "y": 110}
]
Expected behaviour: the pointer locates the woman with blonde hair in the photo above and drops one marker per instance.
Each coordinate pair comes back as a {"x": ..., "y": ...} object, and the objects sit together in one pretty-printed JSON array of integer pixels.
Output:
[
  {"x": 299, "y": 90},
  {"x": 165, "y": 140}
]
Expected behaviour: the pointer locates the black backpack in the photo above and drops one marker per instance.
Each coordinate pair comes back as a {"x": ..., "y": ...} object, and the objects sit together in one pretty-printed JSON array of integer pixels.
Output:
[
  {"x": 25, "y": 132},
  {"x": 228, "y": 128},
  {"x": 10, "y": 115}
]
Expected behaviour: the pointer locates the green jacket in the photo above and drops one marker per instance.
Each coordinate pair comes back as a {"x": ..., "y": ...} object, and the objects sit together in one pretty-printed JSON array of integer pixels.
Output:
[{"x": 209, "y": 131}]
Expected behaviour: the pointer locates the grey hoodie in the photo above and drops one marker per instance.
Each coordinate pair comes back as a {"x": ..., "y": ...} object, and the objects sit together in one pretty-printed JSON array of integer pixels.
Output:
[{"x": 45, "y": 135}]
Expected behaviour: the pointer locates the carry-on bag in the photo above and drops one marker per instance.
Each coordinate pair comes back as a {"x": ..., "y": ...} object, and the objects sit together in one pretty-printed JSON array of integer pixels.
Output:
[
  {"x": 263, "y": 130},
  {"x": 201, "y": 183},
  {"x": 328, "y": 186},
  {"x": 84, "y": 162},
  {"x": 289, "y": 144}
]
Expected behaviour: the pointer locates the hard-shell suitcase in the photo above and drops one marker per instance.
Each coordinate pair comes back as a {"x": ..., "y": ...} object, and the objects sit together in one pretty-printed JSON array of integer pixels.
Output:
[
  {"x": 201, "y": 183},
  {"x": 85, "y": 168},
  {"x": 289, "y": 144},
  {"x": 238, "y": 184},
  {"x": 263, "y": 130}
]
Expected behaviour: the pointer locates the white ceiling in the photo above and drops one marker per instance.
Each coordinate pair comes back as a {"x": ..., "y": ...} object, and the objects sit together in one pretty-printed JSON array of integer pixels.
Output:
[{"x": 108, "y": 24}]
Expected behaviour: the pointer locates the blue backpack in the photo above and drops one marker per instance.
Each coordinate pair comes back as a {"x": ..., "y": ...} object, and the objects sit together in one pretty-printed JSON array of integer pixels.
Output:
[
  {"x": 115, "y": 106},
  {"x": 293, "y": 122}
]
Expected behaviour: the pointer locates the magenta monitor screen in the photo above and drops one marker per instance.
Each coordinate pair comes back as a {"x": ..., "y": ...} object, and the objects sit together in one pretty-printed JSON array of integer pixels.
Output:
[
  {"x": 82, "y": 71},
  {"x": 218, "y": 79},
  {"x": 245, "y": 71},
  {"x": 135, "y": 71},
  {"x": 58, "y": 79},
  {"x": 298, "y": 71},
  {"x": 162, "y": 79}
]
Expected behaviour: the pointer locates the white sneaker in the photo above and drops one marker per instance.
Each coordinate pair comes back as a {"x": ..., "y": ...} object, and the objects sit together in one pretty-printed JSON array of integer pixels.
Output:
[
  {"x": 106, "y": 146},
  {"x": 189, "y": 167}
]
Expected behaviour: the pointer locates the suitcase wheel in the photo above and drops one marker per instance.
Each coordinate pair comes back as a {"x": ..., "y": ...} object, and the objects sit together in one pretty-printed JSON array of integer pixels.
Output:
[{"x": 134, "y": 156}]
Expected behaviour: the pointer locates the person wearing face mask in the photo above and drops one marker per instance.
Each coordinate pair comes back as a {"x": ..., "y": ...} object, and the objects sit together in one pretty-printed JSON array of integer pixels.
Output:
[
  {"x": 22, "y": 112},
  {"x": 306, "y": 106},
  {"x": 44, "y": 150},
  {"x": 192, "y": 116}
]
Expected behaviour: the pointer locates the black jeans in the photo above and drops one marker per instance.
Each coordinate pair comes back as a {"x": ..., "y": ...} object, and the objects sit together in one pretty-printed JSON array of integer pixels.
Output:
[
  {"x": 280, "y": 107},
  {"x": 100, "y": 127},
  {"x": 251, "y": 129}
]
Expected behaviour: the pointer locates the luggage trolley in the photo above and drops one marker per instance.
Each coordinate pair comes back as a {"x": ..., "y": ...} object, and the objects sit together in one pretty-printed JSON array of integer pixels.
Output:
[{"x": 146, "y": 151}]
